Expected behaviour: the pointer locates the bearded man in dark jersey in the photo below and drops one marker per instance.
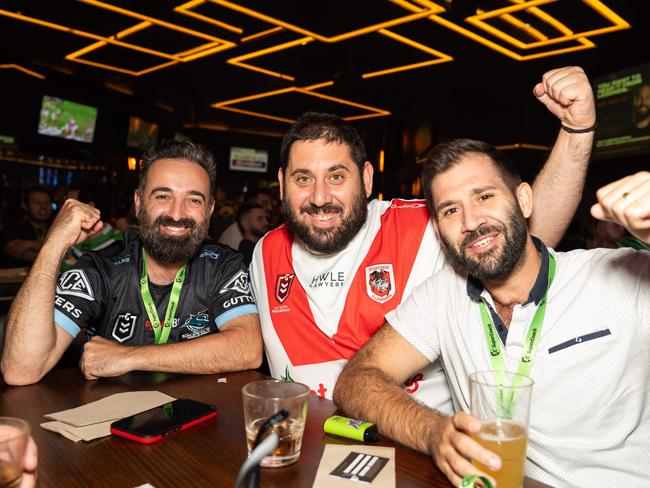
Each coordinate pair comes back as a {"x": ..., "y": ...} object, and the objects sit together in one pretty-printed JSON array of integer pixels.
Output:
[{"x": 161, "y": 300}]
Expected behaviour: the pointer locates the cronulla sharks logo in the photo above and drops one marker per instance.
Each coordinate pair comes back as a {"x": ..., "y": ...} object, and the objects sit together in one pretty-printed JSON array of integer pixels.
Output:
[{"x": 380, "y": 283}]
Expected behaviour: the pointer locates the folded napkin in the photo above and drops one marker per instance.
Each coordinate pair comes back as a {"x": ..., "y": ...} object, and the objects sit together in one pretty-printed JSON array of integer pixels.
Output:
[{"x": 94, "y": 419}]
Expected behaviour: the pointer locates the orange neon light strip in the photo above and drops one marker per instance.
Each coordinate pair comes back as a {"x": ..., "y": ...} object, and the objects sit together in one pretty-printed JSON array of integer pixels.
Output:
[
  {"x": 186, "y": 9},
  {"x": 23, "y": 70},
  {"x": 307, "y": 90},
  {"x": 431, "y": 8}
]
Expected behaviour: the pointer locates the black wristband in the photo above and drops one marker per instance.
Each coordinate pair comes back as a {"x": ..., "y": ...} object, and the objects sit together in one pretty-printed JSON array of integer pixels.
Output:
[{"x": 579, "y": 131}]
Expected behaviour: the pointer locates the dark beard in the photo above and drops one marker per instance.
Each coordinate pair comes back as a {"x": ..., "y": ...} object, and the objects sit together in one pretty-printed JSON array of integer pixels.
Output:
[
  {"x": 328, "y": 241},
  {"x": 489, "y": 267},
  {"x": 169, "y": 249}
]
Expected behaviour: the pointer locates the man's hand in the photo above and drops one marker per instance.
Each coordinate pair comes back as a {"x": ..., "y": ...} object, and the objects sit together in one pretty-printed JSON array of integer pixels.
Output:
[
  {"x": 75, "y": 222},
  {"x": 567, "y": 94},
  {"x": 626, "y": 202},
  {"x": 451, "y": 446},
  {"x": 30, "y": 461},
  {"x": 104, "y": 358}
]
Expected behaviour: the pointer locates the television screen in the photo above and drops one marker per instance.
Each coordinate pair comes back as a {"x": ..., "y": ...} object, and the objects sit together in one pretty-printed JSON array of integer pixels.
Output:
[
  {"x": 244, "y": 159},
  {"x": 623, "y": 107},
  {"x": 142, "y": 134},
  {"x": 63, "y": 118}
]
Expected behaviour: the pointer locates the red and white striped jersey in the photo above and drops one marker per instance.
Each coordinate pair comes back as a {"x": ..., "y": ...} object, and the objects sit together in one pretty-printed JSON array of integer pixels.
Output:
[{"x": 316, "y": 310}]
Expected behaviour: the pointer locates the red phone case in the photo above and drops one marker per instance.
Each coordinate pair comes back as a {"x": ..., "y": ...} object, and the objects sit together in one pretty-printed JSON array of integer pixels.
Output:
[{"x": 159, "y": 437}]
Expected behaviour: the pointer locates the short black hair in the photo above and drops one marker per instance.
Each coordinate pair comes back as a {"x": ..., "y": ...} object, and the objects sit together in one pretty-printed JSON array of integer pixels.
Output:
[
  {"x": 179, "y": 150},
  {"x": 313, "y": 126},
  {"x": 244, "y": 210},
  {"x": 448, "y": 154},
  {"x": 36, "y": 189}
]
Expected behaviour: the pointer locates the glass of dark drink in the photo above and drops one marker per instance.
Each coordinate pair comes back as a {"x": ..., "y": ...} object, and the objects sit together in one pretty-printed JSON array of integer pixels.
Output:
[{"x": 14, "y": 434}]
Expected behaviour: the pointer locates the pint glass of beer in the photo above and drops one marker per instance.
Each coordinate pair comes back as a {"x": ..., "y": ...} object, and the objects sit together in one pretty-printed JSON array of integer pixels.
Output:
[
  {"x": 262, "y": 400},
  {"x": 501, "y": 402},
  {"x": 14, "y": 434}
]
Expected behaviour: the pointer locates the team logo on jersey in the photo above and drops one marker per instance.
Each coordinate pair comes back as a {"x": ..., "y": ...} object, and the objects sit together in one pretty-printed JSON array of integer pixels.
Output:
[
  {"x": 238, "y": 283},
  {"x": 380, "y": 282},
  {"x": 75, "y": 282},
  {"x": 283, "y": 286},
  {"x": 197, "y": 322},
  {"x": 124, "y": 327},
  {"x": 209, "y": 254}
]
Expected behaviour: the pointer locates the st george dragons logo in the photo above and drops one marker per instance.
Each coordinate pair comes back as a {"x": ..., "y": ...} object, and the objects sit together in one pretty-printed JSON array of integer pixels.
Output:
[{"x": 380, "y": 282}]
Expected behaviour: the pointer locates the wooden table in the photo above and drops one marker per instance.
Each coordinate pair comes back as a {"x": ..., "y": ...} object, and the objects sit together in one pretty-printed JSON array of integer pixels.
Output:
[{"x": 207, "y": 455}]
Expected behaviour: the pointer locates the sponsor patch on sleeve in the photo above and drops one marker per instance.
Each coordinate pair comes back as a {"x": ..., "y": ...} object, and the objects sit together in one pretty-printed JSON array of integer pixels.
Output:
[{"x": 75, "y": 282}]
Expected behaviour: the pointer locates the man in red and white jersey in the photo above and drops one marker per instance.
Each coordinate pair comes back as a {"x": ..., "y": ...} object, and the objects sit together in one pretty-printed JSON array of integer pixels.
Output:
[{"x": 324, "y": 280}]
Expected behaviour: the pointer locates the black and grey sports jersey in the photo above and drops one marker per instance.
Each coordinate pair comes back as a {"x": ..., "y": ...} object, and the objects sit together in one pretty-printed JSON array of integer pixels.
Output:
[{"x": 102, "y": 293}]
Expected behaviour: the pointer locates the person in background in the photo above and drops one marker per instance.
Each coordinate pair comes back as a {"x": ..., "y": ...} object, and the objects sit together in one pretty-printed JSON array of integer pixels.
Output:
[
  {"x": 232, "y": 236},
  {"x": 324, "y": 281},
  {"x": 253, "y": 221},
  {"x": 641, "y": 107},
  {"x": 164, "y": 299},
  {"x": 508, "y": 302},
  {"x": 22, "y": 242}
]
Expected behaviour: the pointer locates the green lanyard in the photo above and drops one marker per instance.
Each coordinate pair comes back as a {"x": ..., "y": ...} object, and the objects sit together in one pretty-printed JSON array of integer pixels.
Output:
[
  {"x": 532, "y": 340},
  {"x": 161, "y": 333}
]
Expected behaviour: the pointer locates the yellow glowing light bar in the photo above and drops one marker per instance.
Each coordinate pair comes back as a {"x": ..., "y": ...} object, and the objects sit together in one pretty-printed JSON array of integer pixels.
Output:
[
  {"x": 425, "y": 9},
  {"x": 380, "y": 197},
  {"x": 119, "y": 88},
  {"x": 23, "y": 70},
  {"x": 522, "y": 145},
  {"x": 132, "y": 163},
  {"x": 618, "y": 23},
  {"x": 381, "y": 161},
  {"x": 238, "y": 60},
  {"x": 226, "y": 128},
  {"x": 186, "y": 9},
  {"x": 261, "y": 34},
  {"x": 307, "y": 90}
]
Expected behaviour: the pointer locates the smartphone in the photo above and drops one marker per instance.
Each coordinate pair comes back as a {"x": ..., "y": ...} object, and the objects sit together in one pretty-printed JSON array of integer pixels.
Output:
[{"x": 156, "y": 424}]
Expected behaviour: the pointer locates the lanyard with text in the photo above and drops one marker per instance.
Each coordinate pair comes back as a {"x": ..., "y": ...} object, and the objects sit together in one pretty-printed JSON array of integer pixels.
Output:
[
  {"x": 530, "y": 346},
  {"x": 161, "y": 332}
]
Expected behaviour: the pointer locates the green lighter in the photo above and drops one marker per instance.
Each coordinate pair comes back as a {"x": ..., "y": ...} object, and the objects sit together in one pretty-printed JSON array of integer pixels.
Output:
[{"x": 351, "y": 428}]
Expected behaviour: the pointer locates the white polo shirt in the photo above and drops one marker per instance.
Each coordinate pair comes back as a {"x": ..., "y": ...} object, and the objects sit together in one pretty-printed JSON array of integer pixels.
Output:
[{"x": 590, "y": 414}]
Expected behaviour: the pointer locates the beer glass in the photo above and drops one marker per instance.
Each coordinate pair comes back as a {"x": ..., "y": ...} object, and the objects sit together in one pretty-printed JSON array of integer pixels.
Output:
[
  {"x": 501, "y": 402},
  {"x": 262, "y": 400},
  {"x": 14, "y": 434}
]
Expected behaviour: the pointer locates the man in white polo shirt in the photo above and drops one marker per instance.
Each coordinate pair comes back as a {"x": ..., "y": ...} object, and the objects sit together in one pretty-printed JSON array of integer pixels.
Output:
[{"x": 590, "y": 414}]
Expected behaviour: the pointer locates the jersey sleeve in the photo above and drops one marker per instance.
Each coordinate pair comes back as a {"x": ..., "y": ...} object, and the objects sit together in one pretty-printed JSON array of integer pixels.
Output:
[
  {"x": 415, "y": 318},
  {"x": 232, "y": 296},
  {"x": 79, "y": 296}
]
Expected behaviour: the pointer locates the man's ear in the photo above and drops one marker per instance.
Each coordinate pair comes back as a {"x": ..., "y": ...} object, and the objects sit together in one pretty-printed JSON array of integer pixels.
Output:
[
  {"x": 366, "y": 175},
  {"x": 281, "y": 182},
  {"x": 524, "y": 196},
  {"x": 136, "y": 201}
]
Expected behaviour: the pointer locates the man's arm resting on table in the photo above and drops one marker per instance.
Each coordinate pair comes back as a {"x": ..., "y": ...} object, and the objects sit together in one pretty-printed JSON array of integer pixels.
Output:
[
  {"x": 24, "y": 249},
  {"x": 369, "y": 388},
  {"x": 237, "y": 346},
  {"x": 33, "y": 344}
]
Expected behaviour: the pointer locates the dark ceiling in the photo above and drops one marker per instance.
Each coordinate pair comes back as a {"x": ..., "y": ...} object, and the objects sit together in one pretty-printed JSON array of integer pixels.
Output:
[{"x": 461, "y": 78}]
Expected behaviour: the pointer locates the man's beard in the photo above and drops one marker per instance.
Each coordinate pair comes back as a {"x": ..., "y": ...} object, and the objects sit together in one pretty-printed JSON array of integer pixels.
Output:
[
  {"x": 170, "y": 249},
  {"x": 492, "y": 266},
  {"x": 328, "y": 241}
]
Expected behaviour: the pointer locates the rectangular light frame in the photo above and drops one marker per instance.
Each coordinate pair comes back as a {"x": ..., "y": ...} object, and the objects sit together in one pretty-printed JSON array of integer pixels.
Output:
[{"x": 306, "y": 90}]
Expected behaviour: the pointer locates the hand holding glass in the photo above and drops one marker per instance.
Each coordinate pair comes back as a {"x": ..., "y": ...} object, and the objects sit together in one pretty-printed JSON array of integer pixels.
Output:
[{"x": 503, "y": 409}]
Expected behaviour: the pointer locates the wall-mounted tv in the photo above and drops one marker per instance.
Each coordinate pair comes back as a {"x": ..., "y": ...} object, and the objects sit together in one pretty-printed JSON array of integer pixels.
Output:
[
  {"x": 245, "y": 159},
  {"x": 623, "y": 107},
  {"x": 70, "y": 120},
  {"x": 142, "y": 134}
]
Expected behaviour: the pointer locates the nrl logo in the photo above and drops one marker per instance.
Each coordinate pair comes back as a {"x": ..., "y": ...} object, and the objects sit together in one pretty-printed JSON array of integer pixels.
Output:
[
  {"x": 283, "y": 286},
  {"x": 75, "y": 282},
  {"x": 238, "y": 283},
  {"x": 380, "y": 283},
  {"x": 124, "y": 327}
]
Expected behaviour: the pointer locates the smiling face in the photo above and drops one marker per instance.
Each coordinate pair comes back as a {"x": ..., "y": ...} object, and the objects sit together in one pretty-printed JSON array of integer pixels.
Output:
[
  {"x": 174, "y": 209},
  {"x": 324, "y": 194},
  {"x": 481, "y": 224},
  {"x": 39, "y": 207}
]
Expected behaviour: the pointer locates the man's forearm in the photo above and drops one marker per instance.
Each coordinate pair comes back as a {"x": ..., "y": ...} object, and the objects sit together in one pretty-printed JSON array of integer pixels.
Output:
[
  {"x": 233, "y": 349},
  {"x": 558, "y": 187},
  {"x": 30, "y": 338},
  {"x": 384, "y": 402}
]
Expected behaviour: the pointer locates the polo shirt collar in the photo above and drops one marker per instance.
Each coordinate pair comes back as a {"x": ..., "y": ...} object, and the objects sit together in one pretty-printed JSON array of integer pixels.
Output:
[{"x": 537, "y": 292}]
